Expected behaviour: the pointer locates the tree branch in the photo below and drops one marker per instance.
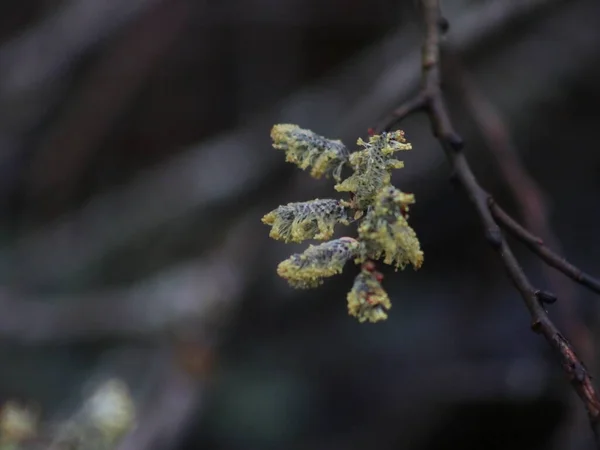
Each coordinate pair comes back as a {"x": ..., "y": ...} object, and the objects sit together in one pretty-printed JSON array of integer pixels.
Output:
[
  {"x": 537, "y": 246},
  {"x": 534, "y": 211},
  {"x": 525, "y": 190},
  {"x": 432, "y": 101}
]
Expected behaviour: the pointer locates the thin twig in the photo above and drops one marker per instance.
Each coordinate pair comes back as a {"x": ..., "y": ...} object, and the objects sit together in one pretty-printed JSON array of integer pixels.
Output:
[
  {"x": 525, "y": 190},
  {"x": 534, "y": 210},
  {"x": 537, "y": 246},
  {"x": 435, "y": 106}
]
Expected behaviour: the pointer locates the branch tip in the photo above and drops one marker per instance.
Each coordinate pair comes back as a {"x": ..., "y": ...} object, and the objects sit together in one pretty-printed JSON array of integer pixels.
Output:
[
  {"x": 494, "y": 237},
  {"x": 443, "y": 25},
  {"x": 545, "y": 297},
  {"x": 455, "y": 141}
]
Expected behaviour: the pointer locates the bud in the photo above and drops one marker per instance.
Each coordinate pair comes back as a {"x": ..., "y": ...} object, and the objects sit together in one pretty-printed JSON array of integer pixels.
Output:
[{"x": 367, "y": 300}]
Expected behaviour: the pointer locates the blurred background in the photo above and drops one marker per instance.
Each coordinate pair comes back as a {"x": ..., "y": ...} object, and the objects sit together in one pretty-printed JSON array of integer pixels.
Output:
[{"x": 135, "y": 165}]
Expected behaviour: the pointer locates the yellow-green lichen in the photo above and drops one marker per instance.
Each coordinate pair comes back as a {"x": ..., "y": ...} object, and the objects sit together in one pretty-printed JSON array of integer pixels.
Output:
[
  {"x": 306, "y": 270},
  {"x": 307, "y": 149},
  {"x": 385, "y": 232},
  {"x": 380, "y": 209},
  {"x": 315, "y": 219},
  {"x": 367, "y": 300},
  {"x": 372, "y": 167}
]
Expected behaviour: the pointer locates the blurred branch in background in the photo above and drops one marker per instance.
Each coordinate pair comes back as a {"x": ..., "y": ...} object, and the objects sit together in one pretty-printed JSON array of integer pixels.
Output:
[
  {"x": 35, "y": 65},
  {"x": 108, "y": 88},
  {"x": 166, "y": 414},
  {"x": 189, "y": 306},
  {"x": 478, "y": 26},
  {"x": 112, "y": 417},
  {"x": 235, "y": 162},
  {"x": 194, "y": 294}
]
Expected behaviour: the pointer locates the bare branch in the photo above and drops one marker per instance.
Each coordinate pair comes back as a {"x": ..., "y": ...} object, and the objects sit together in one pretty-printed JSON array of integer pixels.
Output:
[
  {"x": 537, "y": 246},
  {"x": 443, "y": 129},
  {"x": 533, "y": 207}
]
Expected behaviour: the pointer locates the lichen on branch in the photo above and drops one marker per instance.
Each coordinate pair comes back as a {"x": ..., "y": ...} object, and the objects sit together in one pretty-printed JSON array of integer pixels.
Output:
[
  {"x": 367, "y": 300},
  {"x": 380, "y": 210},
  {"x": 385, "y": 232},
  {"x": 315, "y": 219},
  {"x": 306, "y": 270},
  {"x": 372, "y": 167},
  {"x": 308, "y": 149}
]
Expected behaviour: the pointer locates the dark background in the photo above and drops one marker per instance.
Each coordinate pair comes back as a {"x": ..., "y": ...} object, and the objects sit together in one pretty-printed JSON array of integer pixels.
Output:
[{"x": 135, "y": 165}]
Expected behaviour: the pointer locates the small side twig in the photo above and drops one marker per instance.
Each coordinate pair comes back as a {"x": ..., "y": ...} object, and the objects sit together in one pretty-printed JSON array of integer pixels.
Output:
[
  {"x": 416, "y": 104},
  {"x": 431, "y": 99},
  {"x": 537, "y": 246},
  {"x": 534, "y": 209},
  {"x": 525, "y": 190}
]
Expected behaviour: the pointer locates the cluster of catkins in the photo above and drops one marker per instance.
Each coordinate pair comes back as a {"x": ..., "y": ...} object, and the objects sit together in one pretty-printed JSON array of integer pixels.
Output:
[{"x": 380, "y": 210}]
